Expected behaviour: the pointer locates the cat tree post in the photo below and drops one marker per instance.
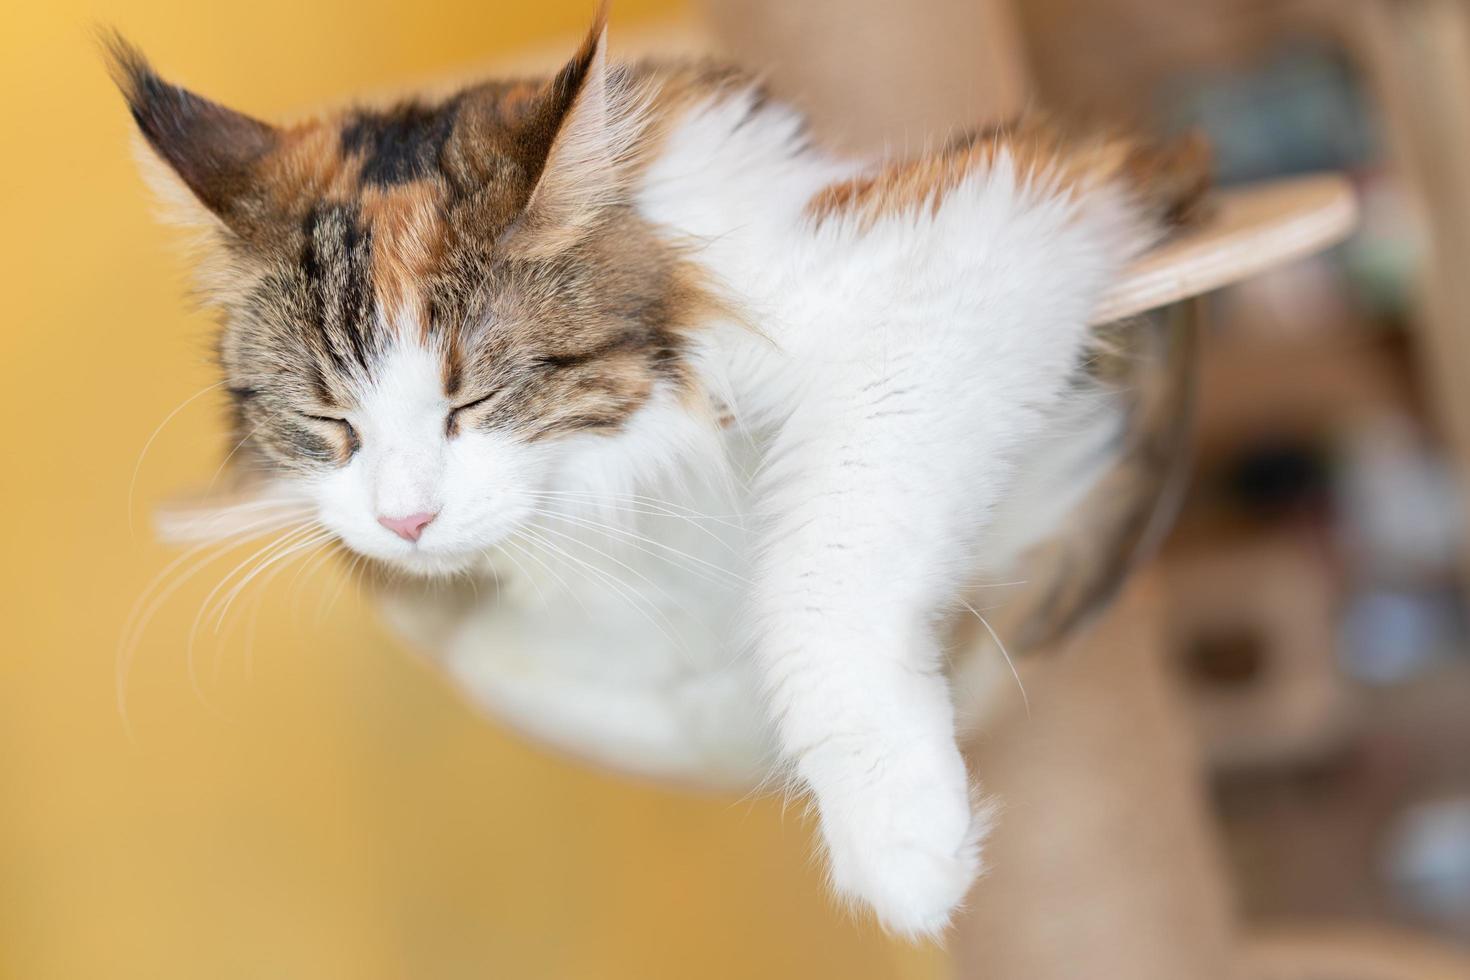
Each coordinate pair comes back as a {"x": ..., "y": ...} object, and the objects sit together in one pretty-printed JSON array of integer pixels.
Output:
[
  {"x": 873, "y": 74},
  {"x": 1103, "y": 862}
]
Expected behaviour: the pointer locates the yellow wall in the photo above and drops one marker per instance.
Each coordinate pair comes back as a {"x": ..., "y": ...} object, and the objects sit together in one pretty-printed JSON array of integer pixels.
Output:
[{"x": 324, "y": 806}]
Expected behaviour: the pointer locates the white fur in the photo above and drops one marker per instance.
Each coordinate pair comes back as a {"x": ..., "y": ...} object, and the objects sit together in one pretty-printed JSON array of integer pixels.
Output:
[
  {"x": 910, "y": 364},
  {"x": 887, "y": 390}
]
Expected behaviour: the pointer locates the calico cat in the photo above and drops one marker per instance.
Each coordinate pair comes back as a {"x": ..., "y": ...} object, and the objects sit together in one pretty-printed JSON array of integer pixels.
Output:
[{"x": 479, "y": 332}]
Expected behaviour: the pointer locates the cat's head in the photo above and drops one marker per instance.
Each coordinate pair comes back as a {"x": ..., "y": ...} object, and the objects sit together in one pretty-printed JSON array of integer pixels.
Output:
[{"x": 439, "y": 316}]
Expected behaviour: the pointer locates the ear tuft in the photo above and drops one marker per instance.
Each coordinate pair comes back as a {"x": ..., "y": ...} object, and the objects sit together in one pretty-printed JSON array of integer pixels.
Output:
[
  {"x": 599, "y": 124},
  {"x": 213, "y": 149},
  {"x": 568, "y": 83}
]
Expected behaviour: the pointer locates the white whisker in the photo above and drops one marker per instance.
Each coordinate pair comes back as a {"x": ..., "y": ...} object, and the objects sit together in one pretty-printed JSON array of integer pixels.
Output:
[
  {"x": 208, "y": 599},
  {"x": 143, "y": 453},
  {"x": 229, "y": 456},
  {"x": 672, "y": 552},
  {"x": 294, "y": 549},
  {"x": 160, "y": 590},
  {"x": 621, "y": 564},
  {"x": 510, "y": 542},
  {"x": 532, "y": 532},
  {"x": 1003, "y": 652}
]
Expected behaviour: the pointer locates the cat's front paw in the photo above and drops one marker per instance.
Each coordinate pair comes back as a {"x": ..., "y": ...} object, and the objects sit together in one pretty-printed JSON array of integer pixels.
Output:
[
  {"x": 907, "y": 844},
  {"x": 913, "y": 887}
]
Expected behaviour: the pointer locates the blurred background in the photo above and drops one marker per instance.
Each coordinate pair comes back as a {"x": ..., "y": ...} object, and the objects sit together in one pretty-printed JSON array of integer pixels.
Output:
[{"x": 289, "y": 794}]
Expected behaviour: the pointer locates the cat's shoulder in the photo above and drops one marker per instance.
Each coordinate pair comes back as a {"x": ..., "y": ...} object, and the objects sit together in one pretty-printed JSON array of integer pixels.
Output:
[{"x": 1165, "y": 181}]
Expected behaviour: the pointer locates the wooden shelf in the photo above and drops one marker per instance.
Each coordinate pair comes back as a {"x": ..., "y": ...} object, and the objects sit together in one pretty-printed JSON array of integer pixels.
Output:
[{"x": 1251, "y": 230}]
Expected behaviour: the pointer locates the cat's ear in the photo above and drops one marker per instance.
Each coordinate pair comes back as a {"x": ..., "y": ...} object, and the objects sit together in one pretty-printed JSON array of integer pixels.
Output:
[
  {"x": 595, "y": 127},
  {"x": 212, "y": 150}
]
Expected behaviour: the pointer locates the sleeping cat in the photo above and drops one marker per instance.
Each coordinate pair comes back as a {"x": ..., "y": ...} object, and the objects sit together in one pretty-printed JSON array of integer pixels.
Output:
[{"x": 540, "y": 321}]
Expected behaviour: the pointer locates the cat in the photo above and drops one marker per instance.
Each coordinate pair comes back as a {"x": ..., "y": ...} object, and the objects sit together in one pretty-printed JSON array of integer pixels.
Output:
[{"x": 447, "y": 323}]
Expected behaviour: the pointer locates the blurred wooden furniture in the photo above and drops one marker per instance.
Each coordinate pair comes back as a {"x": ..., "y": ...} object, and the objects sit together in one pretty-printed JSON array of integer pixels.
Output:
[
  {"x": 1253, "y": 229},
  {"x": 1250, "y": 631},
  {"x": 1359, "y": 952},
  {"x": 1103, "y": 863},
  {"x": 855, "y": 66},
  {"x": 1417, "y": 53}
]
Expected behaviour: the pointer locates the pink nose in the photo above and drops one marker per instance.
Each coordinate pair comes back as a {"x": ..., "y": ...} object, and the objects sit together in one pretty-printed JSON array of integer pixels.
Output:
[{"x": 408, "y": 528}]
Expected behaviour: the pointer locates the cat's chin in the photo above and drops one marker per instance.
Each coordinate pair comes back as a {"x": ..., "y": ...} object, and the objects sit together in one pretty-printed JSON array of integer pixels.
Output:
[
  {"x": 449, "y": 556},
  {"x": 423, "y": 563},
  {"x": 435, "y": 564}
]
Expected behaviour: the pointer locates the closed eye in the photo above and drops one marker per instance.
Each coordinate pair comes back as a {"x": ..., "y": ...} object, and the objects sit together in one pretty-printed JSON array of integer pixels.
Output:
[
  {"x": 342, "y": 425},
  {"x": 451, "y": 423}
]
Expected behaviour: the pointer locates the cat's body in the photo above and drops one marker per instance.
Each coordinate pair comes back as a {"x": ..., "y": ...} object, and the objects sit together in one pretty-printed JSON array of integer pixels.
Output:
[{"x": 734, "y": 423}]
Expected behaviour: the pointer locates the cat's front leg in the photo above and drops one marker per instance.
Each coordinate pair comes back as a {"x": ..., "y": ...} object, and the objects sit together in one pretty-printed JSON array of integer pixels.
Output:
[
  {"x": 867, "y": 723},
  {"x": 869, "y": 515},
  {"x": 915, "y": 367}
]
